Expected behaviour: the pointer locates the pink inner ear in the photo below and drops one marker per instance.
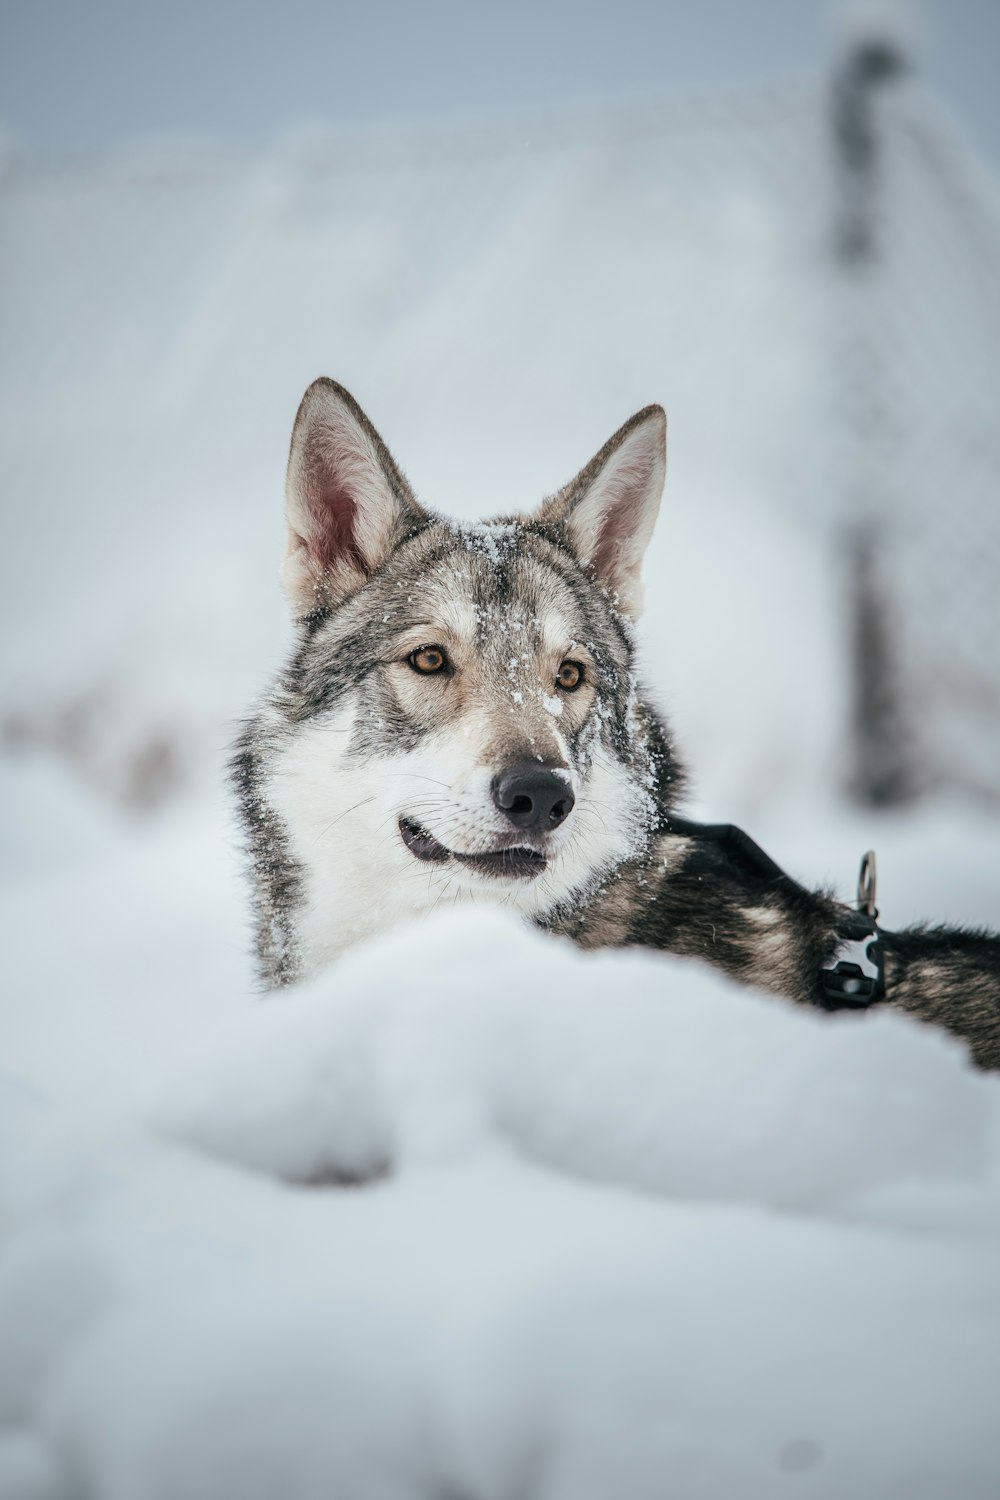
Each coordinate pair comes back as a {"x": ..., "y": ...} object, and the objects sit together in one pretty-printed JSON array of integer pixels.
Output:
[
  {"x": 615, "y": 536},
  {"x": 608, "y": 549},
  {"x": 332, "y": 529}
]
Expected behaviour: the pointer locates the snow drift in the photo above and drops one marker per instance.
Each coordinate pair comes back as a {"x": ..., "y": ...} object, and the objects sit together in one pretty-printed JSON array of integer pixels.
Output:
[{"x": 479, "y": 1214}]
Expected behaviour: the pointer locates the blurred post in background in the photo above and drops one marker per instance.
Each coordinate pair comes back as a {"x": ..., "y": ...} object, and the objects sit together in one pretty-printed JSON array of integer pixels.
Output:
[
  {"x": 881, "y": 770},
  {"x": 917, "y": 245}
]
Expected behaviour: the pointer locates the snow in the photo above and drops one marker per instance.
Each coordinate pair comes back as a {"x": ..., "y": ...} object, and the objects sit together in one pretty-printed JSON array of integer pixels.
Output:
[{"x": 474, "y": 1213}]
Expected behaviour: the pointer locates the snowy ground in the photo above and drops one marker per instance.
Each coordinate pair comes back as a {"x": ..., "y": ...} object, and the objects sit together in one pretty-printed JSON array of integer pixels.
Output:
[{"x": 475, "y": 1217}]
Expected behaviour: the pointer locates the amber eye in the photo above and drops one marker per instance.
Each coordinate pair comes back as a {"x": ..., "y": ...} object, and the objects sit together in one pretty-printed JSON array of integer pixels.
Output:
[
  {"x": 428, "y": 659},
  {"x": 569, "y": 676}
]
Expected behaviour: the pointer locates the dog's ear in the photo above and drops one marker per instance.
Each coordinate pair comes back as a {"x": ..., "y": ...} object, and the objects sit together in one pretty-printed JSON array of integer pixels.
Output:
[
  {"x": 349, "y": 505},
  {"x": 610, "y": 508}
]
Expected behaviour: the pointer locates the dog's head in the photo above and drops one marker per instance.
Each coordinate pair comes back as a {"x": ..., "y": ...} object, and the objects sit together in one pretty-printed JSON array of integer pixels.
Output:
[{"x": 463, "y": 696}]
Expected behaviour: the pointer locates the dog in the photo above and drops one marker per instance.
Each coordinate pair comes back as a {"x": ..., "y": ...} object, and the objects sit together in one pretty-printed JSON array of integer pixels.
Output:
[{"x": 461, "y": 720}]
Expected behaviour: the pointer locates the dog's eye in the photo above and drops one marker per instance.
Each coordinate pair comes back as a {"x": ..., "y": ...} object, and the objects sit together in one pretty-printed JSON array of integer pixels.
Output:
[
  {"x": 569, "y": 676},
  {"x": 428, "y": 659}
]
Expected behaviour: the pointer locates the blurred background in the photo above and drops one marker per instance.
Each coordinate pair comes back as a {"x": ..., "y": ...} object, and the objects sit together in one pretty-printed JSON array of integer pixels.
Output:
[{"x": 504, "y": 229}]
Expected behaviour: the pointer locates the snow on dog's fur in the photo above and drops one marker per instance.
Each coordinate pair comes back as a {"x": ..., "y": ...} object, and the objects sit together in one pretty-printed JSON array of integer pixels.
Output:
[
  {"x": 435, "y": 660},
  {"x": 461, "y": 720}
]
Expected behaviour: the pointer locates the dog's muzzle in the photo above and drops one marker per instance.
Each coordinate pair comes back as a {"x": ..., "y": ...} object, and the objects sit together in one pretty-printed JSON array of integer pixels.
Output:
[
  {"x": 534, "y": 799},
  {"x": 513, "y": 862}
]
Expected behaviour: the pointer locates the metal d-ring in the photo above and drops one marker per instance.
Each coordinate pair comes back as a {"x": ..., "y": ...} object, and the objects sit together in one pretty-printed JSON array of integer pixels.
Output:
[{"x": 867, "y": 885}]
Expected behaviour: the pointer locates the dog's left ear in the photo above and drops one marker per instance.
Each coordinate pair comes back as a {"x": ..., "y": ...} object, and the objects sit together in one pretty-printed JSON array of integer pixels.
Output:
[
  {"x": 349, "y": 505},
  {"x": 610, "y": 508}
]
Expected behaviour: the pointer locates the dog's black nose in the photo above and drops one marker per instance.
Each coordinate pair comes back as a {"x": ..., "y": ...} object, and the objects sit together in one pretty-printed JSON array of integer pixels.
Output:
[{"x": 533, "y": 796}]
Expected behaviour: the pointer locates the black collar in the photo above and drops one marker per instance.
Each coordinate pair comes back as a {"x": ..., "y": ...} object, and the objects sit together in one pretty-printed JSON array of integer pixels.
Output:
[{"x": 853, "y": 977}]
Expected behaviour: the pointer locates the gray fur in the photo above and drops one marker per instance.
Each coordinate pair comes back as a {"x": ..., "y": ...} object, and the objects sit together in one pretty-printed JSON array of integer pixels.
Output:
[{"x": 669, "y": 889}]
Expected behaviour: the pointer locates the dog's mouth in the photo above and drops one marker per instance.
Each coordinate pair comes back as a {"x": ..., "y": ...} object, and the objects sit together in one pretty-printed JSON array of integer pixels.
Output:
[{"x": 515, "y": 863}]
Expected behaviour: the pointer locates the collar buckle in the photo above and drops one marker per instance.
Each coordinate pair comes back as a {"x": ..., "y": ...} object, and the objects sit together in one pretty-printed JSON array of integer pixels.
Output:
[{"x": 854, "y": 975}]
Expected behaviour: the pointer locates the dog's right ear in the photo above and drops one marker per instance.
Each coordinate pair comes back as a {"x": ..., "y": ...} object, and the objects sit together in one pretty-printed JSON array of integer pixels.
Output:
[{"x": 349, "y": 506}]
